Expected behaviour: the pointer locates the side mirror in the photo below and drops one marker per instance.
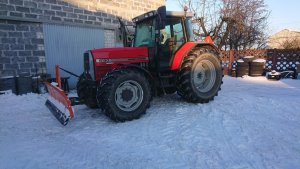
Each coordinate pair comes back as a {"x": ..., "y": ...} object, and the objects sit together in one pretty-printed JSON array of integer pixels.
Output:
[{"x": 162, "y": 15}]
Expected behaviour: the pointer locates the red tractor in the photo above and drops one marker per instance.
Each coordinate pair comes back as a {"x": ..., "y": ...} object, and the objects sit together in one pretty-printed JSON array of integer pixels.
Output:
[{"x": 163, "y": 59}]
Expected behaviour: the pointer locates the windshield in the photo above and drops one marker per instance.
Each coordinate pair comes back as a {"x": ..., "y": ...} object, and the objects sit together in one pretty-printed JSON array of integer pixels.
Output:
[
  {"x": 189, "y": 29},
  {"x": 145, "y": 34}
]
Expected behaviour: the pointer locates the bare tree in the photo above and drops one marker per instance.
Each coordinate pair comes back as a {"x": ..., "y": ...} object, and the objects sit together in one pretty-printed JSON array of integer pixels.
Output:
[
  {"x": 233, "y": 24},
  {"x": 291, "y": 43}
]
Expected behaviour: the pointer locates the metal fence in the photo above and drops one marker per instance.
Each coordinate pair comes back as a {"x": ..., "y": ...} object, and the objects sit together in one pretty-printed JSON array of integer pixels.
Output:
[{"x": 276, "y": 59}]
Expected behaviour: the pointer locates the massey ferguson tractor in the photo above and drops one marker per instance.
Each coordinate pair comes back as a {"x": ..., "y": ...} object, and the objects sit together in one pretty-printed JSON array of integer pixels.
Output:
[{"x": 163, "y": 59}]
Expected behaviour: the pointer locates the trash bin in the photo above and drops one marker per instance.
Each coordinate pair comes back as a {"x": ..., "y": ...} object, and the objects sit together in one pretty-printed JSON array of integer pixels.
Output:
[
  {"x": 257, "y": 67},
  {"x": 24, "y": 84},
  {"x": 8, "y": 83},
  {"x": 242, "y": 68},
  {"x": 248, "y": 58}
]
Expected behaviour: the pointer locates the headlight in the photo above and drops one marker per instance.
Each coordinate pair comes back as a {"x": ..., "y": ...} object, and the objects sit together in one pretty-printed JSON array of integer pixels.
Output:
[{"x": 88, "y": 64}]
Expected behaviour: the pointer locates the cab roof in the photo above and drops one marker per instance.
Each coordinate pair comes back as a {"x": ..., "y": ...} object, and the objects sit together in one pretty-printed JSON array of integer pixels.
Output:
[
  {"x": 179, "y": 13},
  {"x": 168, "y": 13}
]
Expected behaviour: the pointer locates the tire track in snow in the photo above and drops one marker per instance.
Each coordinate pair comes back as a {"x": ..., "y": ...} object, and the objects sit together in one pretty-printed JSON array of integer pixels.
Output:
[
  {"x": 210, "y": 154},
  {"x": 240, "y": 119},
  {"x": 202, "y": 144},
  {"x": 222, "y": 135},
  {"x": 158, "y": 132},
  {"x": 174, "y": 131},
  {"x": 193, "y": 133},
  {"x": 261, "y": 130},
  {"x": 172, "y": 134},
  {"x": 280, "y": 146}
]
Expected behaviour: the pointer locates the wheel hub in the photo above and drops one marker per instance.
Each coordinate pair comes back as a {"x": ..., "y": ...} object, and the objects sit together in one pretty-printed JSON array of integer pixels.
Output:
[
  {"x": 200, "y": 74},
  {"x": 204, "y": 75},
  {"x": 129, "y": 95}
]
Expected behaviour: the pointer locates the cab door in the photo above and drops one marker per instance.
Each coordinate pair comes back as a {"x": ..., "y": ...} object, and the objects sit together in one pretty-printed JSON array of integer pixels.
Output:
[{"x": 171, "y": 38}]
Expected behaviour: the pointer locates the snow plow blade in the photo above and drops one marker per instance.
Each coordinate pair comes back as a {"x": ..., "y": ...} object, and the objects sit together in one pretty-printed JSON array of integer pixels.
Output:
[{"x": 59, "y": 104}]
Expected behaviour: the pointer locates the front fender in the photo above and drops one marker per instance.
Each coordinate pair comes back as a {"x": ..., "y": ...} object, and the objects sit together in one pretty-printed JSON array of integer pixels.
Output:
[
  {"x": 149, "y": 76},
  {"x": 145, "y": 71}
]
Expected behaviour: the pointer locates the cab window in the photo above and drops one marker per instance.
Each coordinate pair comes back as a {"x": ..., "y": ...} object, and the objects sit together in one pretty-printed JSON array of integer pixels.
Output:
[
  {"x": 172, "y": 35},
  {"x": 145, "y": 34}
]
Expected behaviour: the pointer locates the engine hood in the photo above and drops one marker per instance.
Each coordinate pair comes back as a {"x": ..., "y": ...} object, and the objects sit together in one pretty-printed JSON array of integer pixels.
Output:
[{"x": 127, "y": 54}]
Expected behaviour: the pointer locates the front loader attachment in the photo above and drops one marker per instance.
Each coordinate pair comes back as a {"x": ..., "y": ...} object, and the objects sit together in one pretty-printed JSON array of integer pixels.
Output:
[{"x": 58, "y": 102}]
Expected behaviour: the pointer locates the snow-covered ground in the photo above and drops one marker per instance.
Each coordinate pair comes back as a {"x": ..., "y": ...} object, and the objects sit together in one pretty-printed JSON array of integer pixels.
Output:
[{"x": 253, "y": 123}]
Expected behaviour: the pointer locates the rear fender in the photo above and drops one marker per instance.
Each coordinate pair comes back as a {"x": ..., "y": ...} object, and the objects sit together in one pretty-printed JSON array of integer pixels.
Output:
[{"x": 185, "y": 49}]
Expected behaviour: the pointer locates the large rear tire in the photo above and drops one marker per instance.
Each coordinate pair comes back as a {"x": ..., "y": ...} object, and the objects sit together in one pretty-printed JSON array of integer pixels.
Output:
[
  {"x": 200, "y": 77},
  {"x": 86, "y": 90},
  {"x": 124, "y": 94}
]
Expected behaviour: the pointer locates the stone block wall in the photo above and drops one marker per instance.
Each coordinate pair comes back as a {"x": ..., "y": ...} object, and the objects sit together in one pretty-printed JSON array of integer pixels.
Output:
[
  {"x": 87, "y": 12},
  {"x": 21, "y": 48},
  {"x": 21, "y": 33}
]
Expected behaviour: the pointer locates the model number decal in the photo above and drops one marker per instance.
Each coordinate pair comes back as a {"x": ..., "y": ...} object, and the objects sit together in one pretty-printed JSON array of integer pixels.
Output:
[{"x": 120, "y": 60}]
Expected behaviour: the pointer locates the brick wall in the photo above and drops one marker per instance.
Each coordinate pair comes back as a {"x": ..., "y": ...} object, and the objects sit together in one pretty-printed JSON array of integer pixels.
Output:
[
  {"x": 21, "y": 48},
  {"x": 21, "y": 33}
]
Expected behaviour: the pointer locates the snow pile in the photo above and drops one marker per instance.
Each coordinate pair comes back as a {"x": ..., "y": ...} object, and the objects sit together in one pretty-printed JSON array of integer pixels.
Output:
[
  {"x": 253, "y": 123},
  {"x": 248, "y": 57},
  {"x": 259, "y": 60}
]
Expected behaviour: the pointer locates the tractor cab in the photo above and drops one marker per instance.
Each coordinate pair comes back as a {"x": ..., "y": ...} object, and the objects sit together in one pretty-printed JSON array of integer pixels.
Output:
[{"x": 163, "y": 33}]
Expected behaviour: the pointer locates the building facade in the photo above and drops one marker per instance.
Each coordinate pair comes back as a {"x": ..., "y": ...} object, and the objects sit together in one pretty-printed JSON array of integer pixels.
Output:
[
  {"x": 36, "y": 34},
  {"x": 285, "y": 39}
]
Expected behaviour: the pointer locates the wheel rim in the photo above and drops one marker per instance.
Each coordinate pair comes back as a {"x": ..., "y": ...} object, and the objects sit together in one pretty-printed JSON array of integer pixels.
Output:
[
  {"x": 129, "y": 95},
  {"x": 204, "y": 75}
]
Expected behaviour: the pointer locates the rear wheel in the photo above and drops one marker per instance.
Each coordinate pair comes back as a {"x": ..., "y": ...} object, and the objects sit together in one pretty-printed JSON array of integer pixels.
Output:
[
  {"x": 124, "y": 94},
  {"x": 200, "y": 76},
  {"x": 86, "y": 90}
]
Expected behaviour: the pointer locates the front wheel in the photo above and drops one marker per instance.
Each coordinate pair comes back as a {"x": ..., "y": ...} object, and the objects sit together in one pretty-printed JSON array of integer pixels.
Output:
[
  {"x": 86, "y": 90},
  {"x": 124, "y": 94},
  {"x": 200, "y": 76}
]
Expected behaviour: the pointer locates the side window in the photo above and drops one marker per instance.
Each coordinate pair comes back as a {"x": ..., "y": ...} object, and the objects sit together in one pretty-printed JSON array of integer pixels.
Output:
[
  {"x": 165, "y": 34},
  {"x": 178, "y": 33}
]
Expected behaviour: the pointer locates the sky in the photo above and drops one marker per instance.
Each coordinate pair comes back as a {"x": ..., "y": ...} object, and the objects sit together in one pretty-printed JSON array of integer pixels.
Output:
[{"x": 284, "y": 14}]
